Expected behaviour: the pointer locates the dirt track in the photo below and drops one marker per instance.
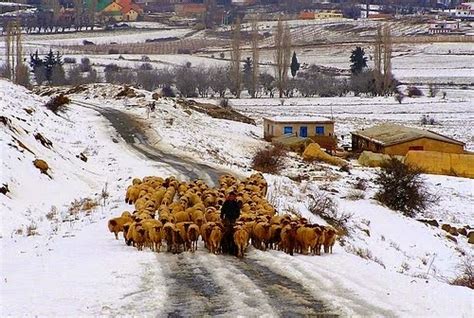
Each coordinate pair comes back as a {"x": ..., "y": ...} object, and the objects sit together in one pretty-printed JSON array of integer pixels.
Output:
[{"x": 203, "y": 284}]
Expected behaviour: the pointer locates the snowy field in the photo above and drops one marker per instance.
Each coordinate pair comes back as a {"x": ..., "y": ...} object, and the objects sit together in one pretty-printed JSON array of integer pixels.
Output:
[{"x": 78, "y": 268}]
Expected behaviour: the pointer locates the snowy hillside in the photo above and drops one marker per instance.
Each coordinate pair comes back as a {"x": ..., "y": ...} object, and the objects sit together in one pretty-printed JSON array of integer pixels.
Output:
[{"x": 63, "y": 261}]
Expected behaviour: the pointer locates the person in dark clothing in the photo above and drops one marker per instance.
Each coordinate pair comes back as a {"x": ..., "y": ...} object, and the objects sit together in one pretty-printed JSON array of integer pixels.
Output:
[{"x": 230, "y": 212}]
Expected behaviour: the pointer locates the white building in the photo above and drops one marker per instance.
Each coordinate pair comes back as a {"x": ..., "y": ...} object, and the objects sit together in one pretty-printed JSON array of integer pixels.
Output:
[{"x": 443, "y": 27}]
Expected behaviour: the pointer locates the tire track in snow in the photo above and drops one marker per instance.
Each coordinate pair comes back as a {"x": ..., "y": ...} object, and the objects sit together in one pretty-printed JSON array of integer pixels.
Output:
[{"x": 231, "y": 286}]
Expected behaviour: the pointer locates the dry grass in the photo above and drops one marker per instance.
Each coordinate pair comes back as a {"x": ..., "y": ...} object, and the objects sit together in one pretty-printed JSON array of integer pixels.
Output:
[
  {"x": 270, "y": 159},
  {"x": 31, "y": 229},
  {"x": 355, "y": 195},
  {"x": 465, "y": 273},
  {"x": 51, "y": 215}
]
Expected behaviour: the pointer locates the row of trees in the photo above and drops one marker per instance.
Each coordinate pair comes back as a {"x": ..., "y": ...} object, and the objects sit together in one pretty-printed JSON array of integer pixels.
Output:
[{"x": 50, "y": 18}]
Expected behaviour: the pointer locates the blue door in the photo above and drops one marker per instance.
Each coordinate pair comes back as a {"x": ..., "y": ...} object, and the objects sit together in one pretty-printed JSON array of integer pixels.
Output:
[{"x": 303, "y": 131}]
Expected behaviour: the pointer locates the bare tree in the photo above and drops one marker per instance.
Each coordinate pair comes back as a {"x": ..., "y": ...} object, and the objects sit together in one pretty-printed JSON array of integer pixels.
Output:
[
  {"x": 236, "y": 75},
  {"x": 255, "y": 58},
  {"x": 8, "y": 51},
  {"x": 282, "y": 55},
  {"x": 91, "y": 13},
  {"x": 78, "y": 8},
  {"x": 383, "y": 61}
]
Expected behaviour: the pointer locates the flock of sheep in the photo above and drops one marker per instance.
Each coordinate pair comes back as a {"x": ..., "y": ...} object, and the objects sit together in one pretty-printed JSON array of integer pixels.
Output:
[{"x": 178, "y": 213}]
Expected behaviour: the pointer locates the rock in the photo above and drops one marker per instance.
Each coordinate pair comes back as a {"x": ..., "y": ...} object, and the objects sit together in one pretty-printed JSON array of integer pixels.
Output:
[
  {"x": 115, "y": 140},
  {"x": 452, "y": 238},
  {"x": 43, "y": 140},
  {"x": 366, "y": 231},
  {"x": 371, "y": 159},
  {"x": 453, "y": 231},
  {"x": 446, "y": 227},
  {"x": 4, "y": 189},
  {"x": 156, "y": 96},
  {"x": 41, "y": 165},
  {"x": 82, "y": 156},
  {"x": 462, "y": 231},
  {"x": 430, "y": 222},
  {"x": 470, "y": 237}
]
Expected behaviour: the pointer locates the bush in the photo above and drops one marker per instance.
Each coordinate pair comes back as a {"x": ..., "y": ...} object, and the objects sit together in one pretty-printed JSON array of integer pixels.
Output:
[
  {"x": 85, "y": 65},
  {"x": 146, "y": 67},
  {"x": 433, "y": 90},
  {"x": 225, "y": 103},
  {"x": 323, "y": 205},
  {"x": 69, "y": 60},
  {"x": 58, "y": 103},
  {"x": 466, "y": 273},
  {"x": 361, "y": 184},
  {"x": 184, "y": 51},
  {"x": 414, "y": 91},
  {"x": 167, "y": 91},
  {"x": 270, "y": 159},
  {"x": 402, "y": 188},
  {"x": 355, "y": 195},
  {"x": 427, "y": 120}
]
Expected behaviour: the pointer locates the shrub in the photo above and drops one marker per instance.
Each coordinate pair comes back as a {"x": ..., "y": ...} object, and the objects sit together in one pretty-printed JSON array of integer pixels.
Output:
[
  {"x": 69, "y": 60},
  {"x": 114, "y": 51},
  {"x": 85, "y": 65},
  {"x": 324, "y": 206},
  {"x": 433, "y": 90},
  {"x": 402, "y": 188},
  {"x": 361, "y": 184},
  {"x": 184, "y": 51},
  {"x": 145, "y": 58},
  {"x": 58, "y": 103},
  {"x": 399, "y": 97},
  {"x": 355, "y": 195},
  {"x": 427, "y": 120},
  {"x": 167, "y": 91},
  {"x": 146, "y": 67},
  {"x": 270, "y": 159},
  {"x": 225, "y": 103},
  {"x": 222, "y": 55},
  {"x": 466, "y": 273},
  {"x": 414, "y": 91}
]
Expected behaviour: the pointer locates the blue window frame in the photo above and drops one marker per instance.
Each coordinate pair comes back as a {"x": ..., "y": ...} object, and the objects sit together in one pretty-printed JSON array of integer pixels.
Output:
[
  {"x": 287, "y": 130},
  {"x": 303, "y": 131},
  {"x": 319, "y": 130}
]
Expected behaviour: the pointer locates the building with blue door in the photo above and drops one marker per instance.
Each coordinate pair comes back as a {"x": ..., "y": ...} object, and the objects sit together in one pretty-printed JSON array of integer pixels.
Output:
[{"x": 319, "y": 129}]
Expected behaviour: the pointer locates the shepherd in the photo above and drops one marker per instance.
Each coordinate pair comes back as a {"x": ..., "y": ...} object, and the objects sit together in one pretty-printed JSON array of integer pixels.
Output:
[{"x": 230, "y": 212}]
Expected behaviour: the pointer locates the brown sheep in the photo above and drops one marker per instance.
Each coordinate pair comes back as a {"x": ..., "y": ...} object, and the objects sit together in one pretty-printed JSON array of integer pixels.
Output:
[
  {"x": 288, "y": 238},
  {"x": 168, "y": 235},
  {"x": 275, "y": 236},
  {"x": 241, "y": 239},
  {"x": 153, "y": 234},
  {"x": 215, "y": 239},
  {"x": 182, "y": 217},
  {"x": 115, "y": 225},
  {"x": 132, "y": 194},
  {"x": 183, "y": 227},
  {"x": 261, "y": 235},
  {"x": 126, "y": 214},
  {"x": 137, "y": 235},
  {"x": 329, "y": 239},
  {"x": 306, "y": 237},
  {"x": 193, "y": 236}
]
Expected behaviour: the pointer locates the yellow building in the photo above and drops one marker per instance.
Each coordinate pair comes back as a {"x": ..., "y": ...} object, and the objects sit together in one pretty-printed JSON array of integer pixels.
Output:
[
  {"x": 395, "y": 139},
  {"x": 328, "y": 15},
  {"x": 319, "y": 129}
]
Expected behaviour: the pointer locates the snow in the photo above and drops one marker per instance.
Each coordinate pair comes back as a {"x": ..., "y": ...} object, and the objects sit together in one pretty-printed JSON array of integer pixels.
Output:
[
  {"x": 389, "y": 265},
  {"x": 298, "y": 119}
]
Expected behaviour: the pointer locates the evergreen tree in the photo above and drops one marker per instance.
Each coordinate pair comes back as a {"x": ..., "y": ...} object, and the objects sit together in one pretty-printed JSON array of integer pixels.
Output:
[
  {"x": 358, "y": 60},
  {"x": 295, "y": 66},
  {"x": 50, "y": 62}
]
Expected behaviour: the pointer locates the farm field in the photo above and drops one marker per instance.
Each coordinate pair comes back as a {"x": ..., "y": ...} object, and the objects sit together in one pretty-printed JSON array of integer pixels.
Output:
[{"x": 58, "y": 256}]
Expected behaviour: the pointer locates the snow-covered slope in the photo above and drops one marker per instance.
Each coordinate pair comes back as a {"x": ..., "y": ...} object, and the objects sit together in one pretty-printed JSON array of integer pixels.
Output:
[{"x": 389, "y": 265}]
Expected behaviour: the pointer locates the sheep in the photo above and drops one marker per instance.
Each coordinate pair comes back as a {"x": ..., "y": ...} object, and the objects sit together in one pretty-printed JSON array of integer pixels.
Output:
[
  {"x": 153, "y": 234},
  {"x": 275, "y": 236},
  {"x": 136, "y": 234},
  {"x": 132, "y": 194},
  {"x": 115, "y": 225},
  {"x": 329, "y": 239},
  {"x": 206, "y": 230},
  {"x": 306, "y": 238},
  {"x": 168, "y": 235},
  {"x": 193, "y": 236},
  {"x": 182, "y": 217},
  {"x": 182, "y": 228},
  {"x": 241, "y": 239},
  {"x": 215, "y": 239},
  {"x": 261, "y": 235},
  {"x": 288, "y": 238}
]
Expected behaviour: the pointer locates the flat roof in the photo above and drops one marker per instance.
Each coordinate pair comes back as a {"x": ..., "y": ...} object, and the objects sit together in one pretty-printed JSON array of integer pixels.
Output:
[
  {"x": 392, "y": 134},
  {"x": 299, "y": 119}
]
